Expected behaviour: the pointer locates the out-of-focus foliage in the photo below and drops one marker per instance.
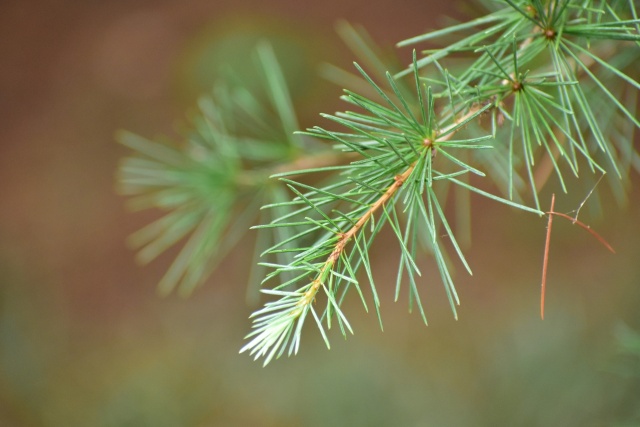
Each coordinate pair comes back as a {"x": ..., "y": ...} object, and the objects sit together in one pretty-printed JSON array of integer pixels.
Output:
[{"x": 213, "y": 183}]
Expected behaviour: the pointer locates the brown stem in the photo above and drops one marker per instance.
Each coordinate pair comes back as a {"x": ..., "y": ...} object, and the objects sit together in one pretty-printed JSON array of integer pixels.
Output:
[
  {"x": 545, "y": 260},
  {"x": 344, "y": 239},
  {"x": 252, "y": 178},
  {"x": 586, "y": 227},
  {"x": 313, "y": 161}
]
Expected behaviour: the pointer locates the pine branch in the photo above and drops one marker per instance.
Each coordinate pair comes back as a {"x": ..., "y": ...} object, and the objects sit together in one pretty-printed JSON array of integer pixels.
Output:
[
  {"x": 537, "y": 89},
  {"x": 279, "y": 324},
  {"x": 546, "y": 108}
]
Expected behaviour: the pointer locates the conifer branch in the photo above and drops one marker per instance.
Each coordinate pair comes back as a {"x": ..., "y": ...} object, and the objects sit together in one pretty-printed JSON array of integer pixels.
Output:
[{"x": 556, "y": 79}]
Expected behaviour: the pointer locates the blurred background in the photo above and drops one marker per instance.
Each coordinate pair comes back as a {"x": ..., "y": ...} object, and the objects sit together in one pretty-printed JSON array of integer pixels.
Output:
[{"x": 86, "y": 341}]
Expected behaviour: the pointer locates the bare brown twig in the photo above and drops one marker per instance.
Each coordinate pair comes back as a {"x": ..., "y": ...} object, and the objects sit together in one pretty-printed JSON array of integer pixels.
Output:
[{"x": 545, "y": 261}]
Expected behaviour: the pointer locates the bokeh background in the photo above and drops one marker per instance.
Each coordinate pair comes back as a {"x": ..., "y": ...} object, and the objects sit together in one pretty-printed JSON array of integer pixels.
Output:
[{"x": 86, "y": 341}]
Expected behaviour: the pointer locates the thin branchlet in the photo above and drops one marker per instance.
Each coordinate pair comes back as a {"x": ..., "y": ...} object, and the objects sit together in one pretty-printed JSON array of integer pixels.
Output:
[{"x": 310, "y": 295}]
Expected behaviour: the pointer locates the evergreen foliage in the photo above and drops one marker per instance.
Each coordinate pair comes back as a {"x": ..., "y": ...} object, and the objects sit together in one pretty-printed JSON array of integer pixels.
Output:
[{"x": 530, "y": 90}]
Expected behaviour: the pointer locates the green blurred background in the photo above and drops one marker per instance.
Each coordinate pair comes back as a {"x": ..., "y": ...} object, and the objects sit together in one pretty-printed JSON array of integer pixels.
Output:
[{"x": 86, "y": 341}]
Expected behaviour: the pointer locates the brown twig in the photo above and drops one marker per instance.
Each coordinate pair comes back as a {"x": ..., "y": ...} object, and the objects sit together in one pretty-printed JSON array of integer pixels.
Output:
[
  {"x": 586, "y": 227},
  {"x": 330, "y": 158},
  {"x": 344, "y": 238},
  {"x": 545, "y": 260},
  {"x": 252, "y": 178}
]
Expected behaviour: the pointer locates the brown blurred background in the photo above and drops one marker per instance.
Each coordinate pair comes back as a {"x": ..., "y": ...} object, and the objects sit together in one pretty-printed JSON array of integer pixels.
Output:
[{"x": 86, "y": 341}]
